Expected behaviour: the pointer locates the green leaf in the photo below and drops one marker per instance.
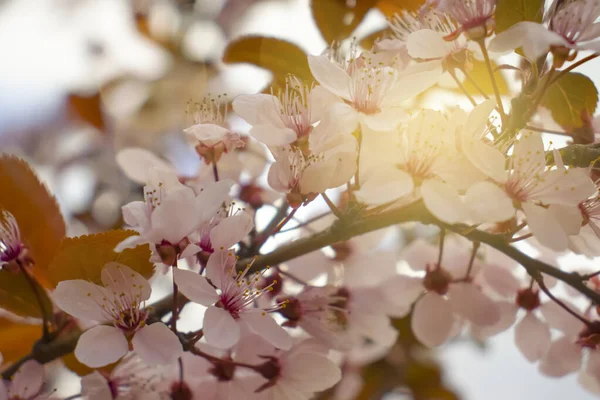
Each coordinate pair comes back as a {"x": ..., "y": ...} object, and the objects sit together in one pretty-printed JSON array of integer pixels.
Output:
[
  {"x": 35, "y": 209},
  {"x": 278, "y": 56},
  {"x": 18, "y": 297},
  {"x": 84, "y": 257},
  {"x": 337, "y": 19},
  {"x": 509, "y": 12},
  {"x": 572, "y": 96}
]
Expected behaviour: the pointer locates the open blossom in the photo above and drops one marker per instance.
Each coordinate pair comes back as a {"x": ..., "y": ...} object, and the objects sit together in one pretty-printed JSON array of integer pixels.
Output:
[
  {"x": 442, "y": 297},
  {"x": 571, "y": 26},
  {"x": 12, "y": 248},
  {"x": 290, "y": 116},
  {"x": 27, "y": 383},
  {"x": 532, "y": 186},
  {"x": 475, "y": 17},
  {"x": 120, "y": 301},
  {"x": 232, "y": 305},
  {"x": 130, "y": 379},
  {"x": 371, "y": 87},
  {"x": 210, "y": 129}
]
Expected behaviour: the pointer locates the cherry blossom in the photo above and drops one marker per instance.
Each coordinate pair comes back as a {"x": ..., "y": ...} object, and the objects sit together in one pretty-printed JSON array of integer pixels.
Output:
[
  {"x": 231, "y": 309},
  {"x": 373, "y": 88},
  {"x": 476, "y": 17},
  {"x": 210, "y": 129},
  {"x": 12, "y": 249},
  {"x": 26, "y": 384},
  {"x": 119, "y": 301},
  {"x": 571, "y": 26}
]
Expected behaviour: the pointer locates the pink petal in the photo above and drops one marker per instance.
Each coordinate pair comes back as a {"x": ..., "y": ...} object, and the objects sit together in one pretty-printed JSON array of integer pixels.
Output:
[
  {"x": 81, "y": 299},
  {"x": 211, "y": 198},
  {"x": 195, "y": 287},
  {"x": 3, "y": 391},
  {"x": 28, "y": 380},
  {"x": 119, "y": 278},
  {"x": 266, "y": 327},
  {"x": 94, "y": 386},
  {"x": 500, "y": 280},
  {"x": 231, "y": 230},
  {"x": 403, "y": 290},
  {"x": 558, "y": 318},
  {"x": 309, "y": 372},
  {"x": 443, "y": 201},
  {"x": 468, "y": 301},
  {"x": 220, "y": 329},
  {"x": 432, "y": 320},
  {"x": 157, "y": 344},
  {"x": 136, "y": 163},
  {"x": 532, "y": 337},
  {"x": 309, "y": 266},
  {"x": 220, "y": 266},
  {"x": 100, "y": 346},
  {"x": 508, "y": 315},
  {"x": 376, "y": 327},
  {"x": 419, "y": 254},
  {"x": 563, "y": 357}
]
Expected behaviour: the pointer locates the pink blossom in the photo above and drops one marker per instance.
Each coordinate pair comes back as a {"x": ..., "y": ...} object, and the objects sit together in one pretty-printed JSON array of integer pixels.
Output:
[
  {"x": 476, "y": 17},
  {"x": 12, "y": 248},
  {"x": 26, "y": 384},
  {"x": 120, "y": 302},
  {"x": 231, "y": 306}
]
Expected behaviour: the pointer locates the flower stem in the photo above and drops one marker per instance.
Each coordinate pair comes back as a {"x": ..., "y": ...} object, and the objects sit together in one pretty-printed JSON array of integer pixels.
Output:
[
  {"x": 175, "y": 312},
  {"x": 488, "y": 63},
  {"x": 336, "y": 211},
  {"x": 472, "y": 259},
  {"x": 462, "y": 87},
  {"x": 573, "y": 66},
  {"x": 540, "y": 281},
  {"x": 215, "y": 171},
  {"x": 441, "y": 252}
]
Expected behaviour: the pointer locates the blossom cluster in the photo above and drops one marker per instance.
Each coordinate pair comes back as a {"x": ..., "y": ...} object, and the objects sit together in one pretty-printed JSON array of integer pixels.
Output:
[{"x": 309, "y": 321}]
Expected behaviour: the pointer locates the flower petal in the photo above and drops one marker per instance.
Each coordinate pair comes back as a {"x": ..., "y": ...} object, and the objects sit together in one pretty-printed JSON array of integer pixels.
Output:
[
  {"x": 383, "y": 185},
  {"x": 532, "y": 337},
  {"x": 468, "y": 301},
  {"x": 330, "y": 75},
  {"x": 136, "y": 163},
  {"x": 258, "y": 109},
  {"x": 273, "y": 136},
  {"x": 157, "y": 344},
  {"x": 488, "y": 203},
  {"x": 94, "y": 386},
  {"x": 309, "y": 372},
  {"x": 231, "y": 230},
  {"x": 563, "y": 357},
  {"x": 195, "y": 287},
  {"x": 544, "y": 226},
  {"x": 220, "y": 329},
  {"x": 403, "y": 290},
  {"x": 119, "y": 278},
  {"x": 535, "y": 39},
  {"x": 427, "y": 44},
  {"x": 432, "y": 320},
  {"x": 266, "y": 327},
  {"x": 81, "y": 299},
  {"x": 443, "y": 201},
  {"x": 28, "y": 380},
  {"x": 100, "y": 346}
]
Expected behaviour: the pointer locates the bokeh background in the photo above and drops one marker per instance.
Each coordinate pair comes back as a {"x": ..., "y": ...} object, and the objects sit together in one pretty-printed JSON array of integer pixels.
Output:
[{"x": 81, "y": 79}]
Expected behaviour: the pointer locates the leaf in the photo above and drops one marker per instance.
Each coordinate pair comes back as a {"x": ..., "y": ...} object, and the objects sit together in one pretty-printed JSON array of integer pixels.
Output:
[
  {"x": 509, "y": 12},
  {"x": 337, "y": 19},
  {"x": 391, "y": 7},
  {"x": 278, "y": 56},
  {"x": 480, "y": 74},
  {"x": 84, "y": 257},
  {"x": 35, "y": 209},
  {"x": 18, "y": 297},
  {"x": 17, "y": 338},
  {"x": 88, "y": 109},
  {"x": 571, "y": 97}
]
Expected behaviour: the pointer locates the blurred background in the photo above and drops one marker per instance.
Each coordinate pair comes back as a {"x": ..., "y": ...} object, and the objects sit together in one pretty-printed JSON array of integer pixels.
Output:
[{"x": 81, "y": 79}]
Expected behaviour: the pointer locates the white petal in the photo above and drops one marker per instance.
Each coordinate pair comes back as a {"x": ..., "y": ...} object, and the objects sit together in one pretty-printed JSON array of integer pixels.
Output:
[
  {"x": 383, "y": 185},
  {"x": 330, "y": 75},
  {"x": 563, "y": 357},
  {"x": 468, "y": 301},
  {"x": 478, "y": 120},
  {"x": 157, "y": 344},
  {"x": 385, "y": 120},
  {"x": 500, "y": 280},
  {"x": 567, "y": 187},
  {"x": 176, "y": 217},
  {"x": 100, "y": 346},
  {"x": 569, "y": 218},
  {"x": 403, "y": 290},
  {"x": 535, "y": 39},
  {"x": 273, "y": 136},
  {"x": 207, "y": 132},
  {"x": 195, "y": 287},
  {"x": 488, "y": 203},
  {"x": 443, "y": 201},
  {"x": 427, "y": 43},
  {"x": 119, "y": 278},
  {"x": 28, "y": 380},
  {"x": 266, "y": 327},
  {"x": 136, "y": 163},
  {"x": 80, "y": 298},
  {"x": 532, "y": 337},
  {"x": 212, "y": 197},
  {"x": 544, "y": 226},
  {"x": 413, "y": 80},
  {"x": 258, "y": 109},
  {"x": 488, "y": 159},
  {"x": 231, "y": 230},
  {"x": 220, "y": 329},
  {"x": 432, "y": 320}
]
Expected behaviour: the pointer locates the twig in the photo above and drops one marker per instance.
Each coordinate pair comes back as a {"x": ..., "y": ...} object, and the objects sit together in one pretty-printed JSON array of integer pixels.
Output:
[
  {"x": 336, "y": 211},
  {"x": 307, "y": 222},
  {"x": 571, "y": 67},
  {"x": 544, "y": 130},
  {"x": 540, "y": 281},
  {"x": 462, "y": 87}
]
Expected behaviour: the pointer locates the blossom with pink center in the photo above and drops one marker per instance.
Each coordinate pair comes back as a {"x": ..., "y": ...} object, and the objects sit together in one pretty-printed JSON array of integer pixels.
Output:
[
  {"x": 571, "y": 26},
  {"x": 26, "y": 384},
  {"x": 532, "y": 186},
  {"x": 231, "y": 302},
  {"x": 298, "y": 373},
  {"x": 475, "y": 17},
  {"x": 210, "y": 129},
  {"x": 130, "y": 379},
  {"x": 444, "y": 296},
  {"x": 371, "y": 87},
  {"x": 288, "y": 117},
  {"x": 12, "y": 248},
  {"x": 120, "y": 301}
]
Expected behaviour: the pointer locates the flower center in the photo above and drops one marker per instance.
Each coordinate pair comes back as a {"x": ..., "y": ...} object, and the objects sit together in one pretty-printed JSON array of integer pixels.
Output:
[
  {"x": 528, "y": 299},
  {"x": 437, "y": 280}
]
